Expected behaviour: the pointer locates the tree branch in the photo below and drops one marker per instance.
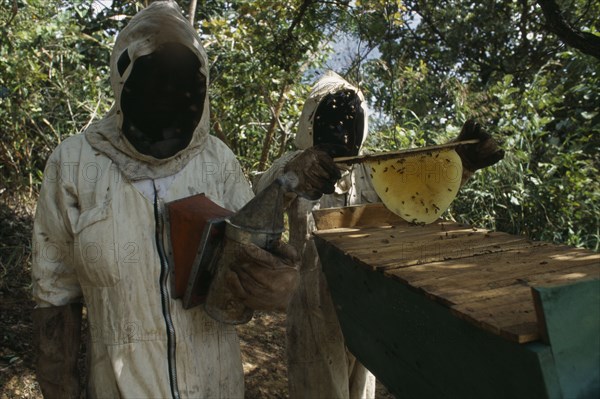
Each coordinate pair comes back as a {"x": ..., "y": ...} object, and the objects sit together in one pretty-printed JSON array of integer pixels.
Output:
[
  {"x": 585, "y": 42},
  {"x": 275, "y": 111},
  {"x": 192, "y": 12},
  {"x": 220, "y": 134},
  {"x": 13, "y": 13},
  {"x": 303, "y": 7}
]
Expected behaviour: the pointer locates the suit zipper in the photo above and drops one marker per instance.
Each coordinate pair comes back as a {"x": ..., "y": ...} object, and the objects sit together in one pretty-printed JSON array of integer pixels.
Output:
[{"x": 164, "y": 295}]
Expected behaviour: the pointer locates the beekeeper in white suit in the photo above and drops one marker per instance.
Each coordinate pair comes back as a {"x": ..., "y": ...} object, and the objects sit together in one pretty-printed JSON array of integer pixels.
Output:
[
  {"x": 98, "y": 231},
  {"x": 334, "y": 120}
]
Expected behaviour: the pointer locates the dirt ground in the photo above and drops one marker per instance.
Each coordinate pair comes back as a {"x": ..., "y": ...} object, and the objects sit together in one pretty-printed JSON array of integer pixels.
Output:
[{"x": 262, "y": 339}]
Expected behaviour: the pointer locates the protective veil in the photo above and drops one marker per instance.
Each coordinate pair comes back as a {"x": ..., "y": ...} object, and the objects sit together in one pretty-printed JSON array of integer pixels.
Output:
[
  {"x": 97, "y": 239},
  {"x": 319, "y": 365}
]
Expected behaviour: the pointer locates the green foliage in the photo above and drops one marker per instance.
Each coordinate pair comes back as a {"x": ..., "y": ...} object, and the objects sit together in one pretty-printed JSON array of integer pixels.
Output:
[
  {"x": 547, "y": 187},
  {"x": 461, "y": 61},
  {"x": 48, "y": 88},
  {"x": 262, "y": 50},
  {"x": 425, "y": 68}
]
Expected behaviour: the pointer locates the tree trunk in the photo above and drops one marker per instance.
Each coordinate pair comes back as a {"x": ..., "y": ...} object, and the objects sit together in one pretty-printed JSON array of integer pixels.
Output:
[
  {"x": 192, "y": 12},
  {"x": 272, "y": 127},
  {"x": 220, "y": 134}
]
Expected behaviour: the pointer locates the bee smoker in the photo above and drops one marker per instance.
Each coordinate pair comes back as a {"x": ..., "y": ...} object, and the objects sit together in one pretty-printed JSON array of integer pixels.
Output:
[{"x": 259, "y": 222}]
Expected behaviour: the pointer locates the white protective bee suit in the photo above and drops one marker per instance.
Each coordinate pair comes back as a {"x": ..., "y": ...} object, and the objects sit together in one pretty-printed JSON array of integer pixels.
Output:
[
  {"x": 96, "y": 239},
  {"x": 319, "y": 364}
]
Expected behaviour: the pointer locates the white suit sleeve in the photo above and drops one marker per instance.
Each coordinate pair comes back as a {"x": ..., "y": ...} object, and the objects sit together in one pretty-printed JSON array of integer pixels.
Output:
[
  {"x": 54, "y": 278},
  {"x": 274, "y": 171},
  {"x": 237, "y": 190}
]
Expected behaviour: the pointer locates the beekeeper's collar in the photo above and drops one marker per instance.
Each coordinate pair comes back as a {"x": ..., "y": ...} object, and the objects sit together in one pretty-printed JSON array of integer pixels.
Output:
[{"x": 161, "y": 22}]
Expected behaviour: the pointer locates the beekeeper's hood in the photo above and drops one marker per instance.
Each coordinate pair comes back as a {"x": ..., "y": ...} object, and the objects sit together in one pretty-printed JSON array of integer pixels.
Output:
[
  {"x": 151, "y": 132},
  {"x": 327, "y": 106}
]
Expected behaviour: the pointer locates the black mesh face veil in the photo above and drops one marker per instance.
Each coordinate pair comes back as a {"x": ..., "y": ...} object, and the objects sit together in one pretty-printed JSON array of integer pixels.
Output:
[
  {"x": 123, "y": 62},
  {"x": 339, "y": 123},
  {"x": 163, "y": 100}
]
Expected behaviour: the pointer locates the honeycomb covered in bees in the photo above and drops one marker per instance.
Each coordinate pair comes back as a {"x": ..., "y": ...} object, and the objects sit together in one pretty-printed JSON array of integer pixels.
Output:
[{"x": 418, "y": 187}]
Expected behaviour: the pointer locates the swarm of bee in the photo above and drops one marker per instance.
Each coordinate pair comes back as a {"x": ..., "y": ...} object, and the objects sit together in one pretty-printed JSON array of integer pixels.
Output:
[{"x": 339, "y": 123}]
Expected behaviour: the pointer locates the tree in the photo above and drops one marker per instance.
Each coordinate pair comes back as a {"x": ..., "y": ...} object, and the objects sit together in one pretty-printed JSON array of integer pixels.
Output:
[
  {"x": 262, "y": 50},
  {"x": 586, "y": 42},
  {"x": 525, "y": 69},
  {"x": 497, "y": 62},
  {"x": 50, "y": 85}
]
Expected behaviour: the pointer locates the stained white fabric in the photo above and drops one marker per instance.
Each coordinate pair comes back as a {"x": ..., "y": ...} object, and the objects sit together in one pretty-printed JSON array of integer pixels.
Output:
[
  {"x": 319, "y": 364},
  {"x": 94, "y": 239},
  {"x": 159, "y": 23},
  {"x": 152, "y": 187}
]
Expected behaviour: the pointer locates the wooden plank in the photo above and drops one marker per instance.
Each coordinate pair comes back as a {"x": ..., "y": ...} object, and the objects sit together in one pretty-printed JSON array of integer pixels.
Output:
[
  {"x": 502, "y": 316},
  {"x": 508, "y": 310},
  {"x": 565, "y": 275},
  {"x": 512, "y": 313},
  {"x": 411, "y": 253},
  {"x": 522, "y": 286},
  {"x": 521, "y": 332},
  {"x": 359, "y": 239},
  {"x": 517, "y": 286},
  {"x": 401, "y": 153},
  {"x": 404, "y": 228},
  {"x": 351, "y": 216},
  {"x": 569, "y": 272},
  {"x": 512, "y": 265},
  {"x": 488, "y": 308},
  {"x": 570, "y": 323},
  {"x": 392, "y": 246},
  {"x": 389, "y": 242},
  {"x": 467, "y": 270},
  {"x": 459, "y": 292},
  {"x": 486, "y": 303},
  {"x": 513, "y": 323},
  {"x": 484, "y": 277},
  {"x": 478, "y": 306},
  {"x": 484, "y": 295}
]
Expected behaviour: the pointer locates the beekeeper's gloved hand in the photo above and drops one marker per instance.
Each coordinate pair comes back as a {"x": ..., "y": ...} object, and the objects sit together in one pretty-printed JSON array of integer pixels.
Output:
[
  {"x": 264, "y": 280},
  {"x": 316, "y": 173},
  {"x": 56, "y": 336},
  {"x": 481, "y": 155}
]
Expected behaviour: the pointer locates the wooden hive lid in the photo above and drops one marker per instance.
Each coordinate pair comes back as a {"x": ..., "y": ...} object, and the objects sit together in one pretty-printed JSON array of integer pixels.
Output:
[{"x": 482, "y": 276}]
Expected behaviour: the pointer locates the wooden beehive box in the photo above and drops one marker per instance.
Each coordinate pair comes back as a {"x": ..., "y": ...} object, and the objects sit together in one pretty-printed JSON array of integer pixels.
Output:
[{"x": 446, "y": 310}]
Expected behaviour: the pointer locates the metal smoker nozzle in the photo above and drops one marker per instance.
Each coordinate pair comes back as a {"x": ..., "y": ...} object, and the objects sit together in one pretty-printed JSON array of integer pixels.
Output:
[{"x": 264, "y": 213}]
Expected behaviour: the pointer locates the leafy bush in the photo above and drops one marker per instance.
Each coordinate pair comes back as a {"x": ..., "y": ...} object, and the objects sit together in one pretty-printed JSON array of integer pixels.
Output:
[
  {"x": 48, "y": 87},
  {"x": 547, "y": 187},
  {"x": 430, "y": 69}
]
